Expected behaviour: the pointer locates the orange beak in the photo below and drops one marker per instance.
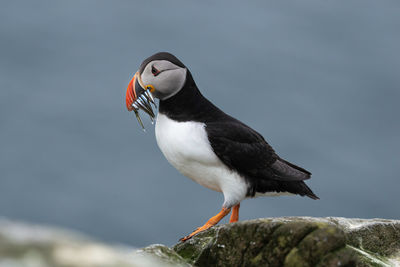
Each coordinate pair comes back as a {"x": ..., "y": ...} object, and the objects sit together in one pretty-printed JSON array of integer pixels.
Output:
[
  {"x": 131, "y": 94},
  {"x": 139, "y": 98}
]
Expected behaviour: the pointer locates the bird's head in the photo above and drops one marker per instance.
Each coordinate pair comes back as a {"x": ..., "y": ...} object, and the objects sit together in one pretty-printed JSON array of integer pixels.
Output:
[{"x": 162, "y": 75}]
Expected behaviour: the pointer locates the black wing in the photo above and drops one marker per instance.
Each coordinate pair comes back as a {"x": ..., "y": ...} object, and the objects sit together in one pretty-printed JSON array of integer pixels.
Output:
[{"x": 244, "y": 150}]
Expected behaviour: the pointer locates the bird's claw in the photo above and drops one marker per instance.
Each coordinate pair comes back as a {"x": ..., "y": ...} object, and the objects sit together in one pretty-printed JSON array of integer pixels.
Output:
[
  {"x": 183, "y": 239},
  {"x": 195, "y": 232}
]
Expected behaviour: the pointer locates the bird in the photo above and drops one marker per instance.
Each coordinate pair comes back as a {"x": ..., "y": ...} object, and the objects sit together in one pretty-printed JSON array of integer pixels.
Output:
[{"x": 206, "y": 144}]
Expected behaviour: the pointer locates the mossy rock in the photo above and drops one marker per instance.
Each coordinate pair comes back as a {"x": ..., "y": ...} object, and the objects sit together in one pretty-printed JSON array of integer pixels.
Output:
[
  {"x": 296, "y": 241},
  {"x": 290, "y": 241},
  {"x": 164, "y": 254}
]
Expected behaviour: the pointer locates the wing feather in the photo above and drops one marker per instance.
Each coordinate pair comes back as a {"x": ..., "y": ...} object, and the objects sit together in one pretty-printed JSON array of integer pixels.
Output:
[{"x": 246, "y": 151}]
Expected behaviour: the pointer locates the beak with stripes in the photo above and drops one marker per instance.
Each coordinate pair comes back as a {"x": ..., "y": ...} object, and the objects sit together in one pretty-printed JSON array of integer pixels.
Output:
[
  {"x": 160, "y": 76},
  {"x": 140, "y": 97}
]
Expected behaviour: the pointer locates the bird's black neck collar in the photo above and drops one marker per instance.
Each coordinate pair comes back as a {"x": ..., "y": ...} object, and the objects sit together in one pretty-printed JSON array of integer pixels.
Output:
[{"x": 188, "y": 104}]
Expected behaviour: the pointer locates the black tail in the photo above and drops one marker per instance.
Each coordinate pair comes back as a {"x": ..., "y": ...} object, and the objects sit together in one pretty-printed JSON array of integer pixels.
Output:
[
  {"x": 296, "y": 167},
  {"x": 268, "y": 185},
  {"x": 306, "y": 191},
  {"x": 301, "y": 188}
]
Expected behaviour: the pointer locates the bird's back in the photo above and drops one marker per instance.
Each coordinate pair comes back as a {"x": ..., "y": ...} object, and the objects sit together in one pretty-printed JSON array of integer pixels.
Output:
[{"x": 238, "y": 146}]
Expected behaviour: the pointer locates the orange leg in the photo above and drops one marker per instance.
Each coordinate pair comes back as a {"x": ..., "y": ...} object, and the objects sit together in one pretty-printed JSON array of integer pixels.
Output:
[
  {"x": 211, "y": 222},
  {"x": 235, "y": 214}
]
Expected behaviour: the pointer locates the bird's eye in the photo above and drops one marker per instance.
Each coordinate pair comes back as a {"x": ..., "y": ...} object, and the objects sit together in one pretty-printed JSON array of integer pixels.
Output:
[{"x": 155, "y": 71}]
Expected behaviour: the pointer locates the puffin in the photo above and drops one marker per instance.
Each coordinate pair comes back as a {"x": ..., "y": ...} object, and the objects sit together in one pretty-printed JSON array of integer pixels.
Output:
[{"x": 207, "y": 145}]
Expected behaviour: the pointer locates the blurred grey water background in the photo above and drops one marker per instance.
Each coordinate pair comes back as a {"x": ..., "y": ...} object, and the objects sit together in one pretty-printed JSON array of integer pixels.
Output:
[{"x": 320, "y": 80}]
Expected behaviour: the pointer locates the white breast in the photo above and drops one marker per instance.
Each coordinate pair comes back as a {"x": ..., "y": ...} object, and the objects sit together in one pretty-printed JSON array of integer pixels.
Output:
[{"x": 185, "y": 145}]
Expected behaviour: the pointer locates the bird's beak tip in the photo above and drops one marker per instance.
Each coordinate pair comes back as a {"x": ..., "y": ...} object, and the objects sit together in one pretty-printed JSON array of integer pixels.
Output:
[
  {"x": 131, "y": 94},
  {"x": 139, "y": 98}
]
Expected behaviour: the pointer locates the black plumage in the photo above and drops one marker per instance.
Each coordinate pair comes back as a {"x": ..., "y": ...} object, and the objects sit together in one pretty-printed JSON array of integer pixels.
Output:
[
  {"x": 238, "y": 146},
  {"x": 207, "y": 145},
  {"x": 244, "y": 150}
]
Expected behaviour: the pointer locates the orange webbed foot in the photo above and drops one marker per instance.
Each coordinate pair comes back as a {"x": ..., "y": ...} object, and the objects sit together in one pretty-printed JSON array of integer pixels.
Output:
[{"x": 211, "y": 222}]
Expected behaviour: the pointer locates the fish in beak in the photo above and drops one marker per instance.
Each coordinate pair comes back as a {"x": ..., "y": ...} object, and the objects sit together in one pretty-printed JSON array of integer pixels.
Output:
[{"x": 139, "y": 97}]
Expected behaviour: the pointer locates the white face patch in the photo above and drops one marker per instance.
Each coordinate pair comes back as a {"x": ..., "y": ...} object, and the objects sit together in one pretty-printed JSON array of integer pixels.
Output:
[{"x": 169, "y": 80}]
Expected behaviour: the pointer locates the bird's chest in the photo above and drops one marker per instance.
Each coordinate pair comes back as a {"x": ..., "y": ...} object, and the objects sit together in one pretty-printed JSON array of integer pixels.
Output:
[{"x": 185, "y": 145}]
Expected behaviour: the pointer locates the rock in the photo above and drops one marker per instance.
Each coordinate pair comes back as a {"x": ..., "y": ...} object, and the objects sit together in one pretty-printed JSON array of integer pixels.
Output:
[
  {"x": 164, "y": 254},
  {"x": 24, "y": 245},
  {"x": 291, "y": 241},
  {"x": 296, "y": 241}
]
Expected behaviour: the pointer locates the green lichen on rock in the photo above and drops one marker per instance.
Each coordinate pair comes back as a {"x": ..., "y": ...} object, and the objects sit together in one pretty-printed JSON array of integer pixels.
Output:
[
  {"x": 197, "y": 247},
  {"x": 290, "y": 241},
  {"x": 376, "y": 235},
  {"x": 296, "y": 242},
  {"x": 341, "y": 257},
  {"x": 164, "y": 254},
  {"x": 316, "y": 245}
]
